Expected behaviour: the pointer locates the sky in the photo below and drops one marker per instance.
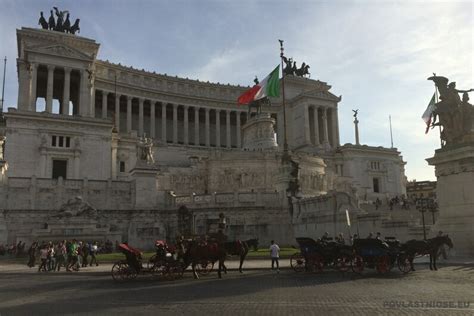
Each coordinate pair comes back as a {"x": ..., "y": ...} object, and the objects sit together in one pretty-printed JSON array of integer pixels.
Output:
[{"x": 376, "y": 54}]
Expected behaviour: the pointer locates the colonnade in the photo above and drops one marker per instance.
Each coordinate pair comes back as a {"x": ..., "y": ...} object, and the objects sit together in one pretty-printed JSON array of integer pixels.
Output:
[
  {"x": 178, "y": 125},
  {"x": 322, "y": 127},
  {"x": 41, "y": 80}
]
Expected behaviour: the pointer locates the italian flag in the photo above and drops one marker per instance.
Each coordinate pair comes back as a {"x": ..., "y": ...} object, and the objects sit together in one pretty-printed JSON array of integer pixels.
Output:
[
  {"x": 269, "y": 87},
  {"x": 428, "y": 114}
]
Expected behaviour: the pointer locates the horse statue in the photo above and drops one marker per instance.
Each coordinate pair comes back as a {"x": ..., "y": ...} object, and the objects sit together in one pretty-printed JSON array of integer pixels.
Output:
[
  {"x": 257, "y": 105},
  {"x": 451, "y": 111},
  {"x": 302, "y": 71},
  {"x": 59, "y": 21},
  {"x": 288, "y": 70},
  {"x": 75, "y": 27},
  {"x": 413, "y": 248},
  {"x": 42, "y": 22},
  {"x": 67, "y": 24},
  {"x": 51, "y": 21}
]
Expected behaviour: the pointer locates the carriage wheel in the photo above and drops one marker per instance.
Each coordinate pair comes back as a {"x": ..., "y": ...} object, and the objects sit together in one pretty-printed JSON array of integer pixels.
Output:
[
  {"x": 343, "y": 263},
  {"x": 298, "y": 262},
  {"x": 118, "y": 271},
  {"x": 175, "y": 271},
  {"x": 151, "y": 262},
  {"x": 404, "y": 264},
  {"x": 383, "y": 264},
  {"x": 357, "y": 264},
  {"x": 158, "y": 269},
  {"x": 204, "y": 267},
  {"x": 317, "y": 263}
]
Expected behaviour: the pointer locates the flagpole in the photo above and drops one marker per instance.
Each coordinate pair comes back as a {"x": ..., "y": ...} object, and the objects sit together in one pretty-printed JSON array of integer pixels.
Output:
[
  {"x": 3, "y": 85},
  {"x": 285, "y": 140},
  {"x": 391, "y": 135}
]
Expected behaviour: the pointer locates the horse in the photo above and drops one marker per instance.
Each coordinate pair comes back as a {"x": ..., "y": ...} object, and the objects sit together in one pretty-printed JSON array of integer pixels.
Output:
[
  {"x": 210, "y": 251},
  {"x": 42, "y": 21},
  {"x": 302, "y": 71},
  {"x": 67, "y": 24},
  {"x": 236, "y": 248},
  {"x": 51, "y": 22},
  {"x": 252, "y": 243},
  {"x": 431, "y": 246},
  {"x": 75, "y": 27}
]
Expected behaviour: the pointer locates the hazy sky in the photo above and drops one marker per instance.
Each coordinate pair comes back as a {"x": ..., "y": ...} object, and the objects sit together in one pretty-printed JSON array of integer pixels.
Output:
[{"x": 376, "y": 54}]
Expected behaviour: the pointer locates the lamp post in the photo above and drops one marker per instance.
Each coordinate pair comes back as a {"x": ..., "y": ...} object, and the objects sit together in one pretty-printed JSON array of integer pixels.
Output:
[
  {"x": 433, "y": 208},
  {"x": 422, "y": 206}
]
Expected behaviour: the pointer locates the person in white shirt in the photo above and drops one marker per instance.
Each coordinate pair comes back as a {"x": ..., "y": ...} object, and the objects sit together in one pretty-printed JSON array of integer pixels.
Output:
[{"x": 275, "y": 254}]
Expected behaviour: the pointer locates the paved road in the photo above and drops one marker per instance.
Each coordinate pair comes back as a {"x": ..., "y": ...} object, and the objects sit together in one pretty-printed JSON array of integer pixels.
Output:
[{"x": 263, "y": 292}]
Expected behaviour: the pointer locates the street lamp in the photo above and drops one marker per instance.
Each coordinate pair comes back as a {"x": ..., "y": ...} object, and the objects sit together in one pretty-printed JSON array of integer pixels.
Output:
[
  {"x": 433, "y": 208},
  {"x": 422, "y": 206}
]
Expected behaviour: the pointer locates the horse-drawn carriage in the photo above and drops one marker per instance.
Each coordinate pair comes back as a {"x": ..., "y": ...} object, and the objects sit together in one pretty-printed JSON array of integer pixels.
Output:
[
  {"x": 164, "y": 264},
  {"x": 316, "y": 255},
  {"x": 364, "y": 253}
]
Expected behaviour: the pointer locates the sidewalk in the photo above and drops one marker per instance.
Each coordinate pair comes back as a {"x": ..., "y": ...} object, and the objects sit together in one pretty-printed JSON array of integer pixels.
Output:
[{"x": 232, "y": 265}]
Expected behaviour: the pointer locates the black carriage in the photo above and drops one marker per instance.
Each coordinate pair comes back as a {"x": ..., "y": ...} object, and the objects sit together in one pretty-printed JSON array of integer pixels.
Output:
[
  {"x": 314, "y": 256},
  {"x": 376, "y": 254},
  {"x": 164, "y": 264}
]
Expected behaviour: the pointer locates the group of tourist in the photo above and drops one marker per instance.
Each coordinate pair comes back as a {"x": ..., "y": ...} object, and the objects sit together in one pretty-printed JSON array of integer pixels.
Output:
[
  {"x": 70, "y": 254},
  {"x": 402, "y": 201},
  {"x": 12, "y": 249}
]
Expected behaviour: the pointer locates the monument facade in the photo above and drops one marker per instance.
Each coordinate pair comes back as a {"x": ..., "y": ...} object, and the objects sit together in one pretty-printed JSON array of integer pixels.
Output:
[{"x": 140, "y": 147}]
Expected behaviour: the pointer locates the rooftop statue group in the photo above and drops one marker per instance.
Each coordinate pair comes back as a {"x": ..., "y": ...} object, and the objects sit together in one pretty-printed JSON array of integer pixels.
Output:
[
  {"x": 61, "y": 24},
  {"x": 291, "y": 69},
  {"x": 456, "y": 115}
]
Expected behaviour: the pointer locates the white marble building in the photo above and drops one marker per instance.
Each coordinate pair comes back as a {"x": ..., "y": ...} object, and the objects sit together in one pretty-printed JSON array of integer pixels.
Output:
[{"x": 209, "y": 155}]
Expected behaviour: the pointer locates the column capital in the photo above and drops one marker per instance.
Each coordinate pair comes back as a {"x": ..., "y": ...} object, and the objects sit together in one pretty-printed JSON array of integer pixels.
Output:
[
  {"x": 196, "y": 109},
  {"x": 186, "y": 107},
  {"x": 117, "y": 95},
  {"x": 207, "y": 110},
  {"x": 51, "y": 67},
  {"x": 140, "y": 100},
  {"x": 67, "y": 70},
  {"x": 175, "y": 105}
]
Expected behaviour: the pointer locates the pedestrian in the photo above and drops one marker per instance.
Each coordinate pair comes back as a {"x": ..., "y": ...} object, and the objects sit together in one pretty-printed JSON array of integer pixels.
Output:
[
  {"x": 275, "y": 255},
  {"x": 379, "y": 236},
  {"x": 44, "y": 258},
  {"x": 61, "y": 256},
  {"x": 85, "y": 254},
  {"x": 51, "y": 257},
  {"x": 32, "y": 254},
  {"x": 442, "y": 249},
  {"x": 93, "y": 252}
]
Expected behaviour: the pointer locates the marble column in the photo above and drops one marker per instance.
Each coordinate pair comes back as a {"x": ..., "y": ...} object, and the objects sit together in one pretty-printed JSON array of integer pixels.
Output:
[
  {"x": 238, "y": 132},
  {"x": 196, "y": 126},
  {"x": 175, "y": 123},
  {"x": 33, "y": 83},
  {"x": 104, "y": 104},
  {"x": 117, "y": 112},
  {"x": 316, "y": 125},
  {"x": 186, "y": 125},
  {"x": 140, "y": 117},
  {"x": 336, "y": 128},
  {"x": 227, "y": 124},
  {"x": 325, "y": 127},
  {"x": 208, "y": 129},
  {"x": 92, "y": 102},
  {"x": 307, "y": 130},
  {"x": 218, "y": 128},
  {"x": 66, "y": 91},
  {"x": 163, "y": 122},
  {"x": 152, "y": 119},
  {"x": 49, "y": 89},
  {"x": 129, "y": 114}
]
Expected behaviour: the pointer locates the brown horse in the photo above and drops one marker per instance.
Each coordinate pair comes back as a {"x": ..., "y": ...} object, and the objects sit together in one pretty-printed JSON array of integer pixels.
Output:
[
  {"x": 413, "y": 248},
  {"x": 198, "y": 252}
]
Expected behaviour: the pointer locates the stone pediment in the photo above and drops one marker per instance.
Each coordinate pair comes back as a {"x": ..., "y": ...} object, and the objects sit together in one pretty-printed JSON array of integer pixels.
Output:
[
  {"x": 321, "y": 92},
  {"x": 61, "y": 51}
]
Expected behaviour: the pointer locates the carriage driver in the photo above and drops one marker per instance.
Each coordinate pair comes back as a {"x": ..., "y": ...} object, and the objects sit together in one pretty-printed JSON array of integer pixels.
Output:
[{"x": 442, "y": 249}]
